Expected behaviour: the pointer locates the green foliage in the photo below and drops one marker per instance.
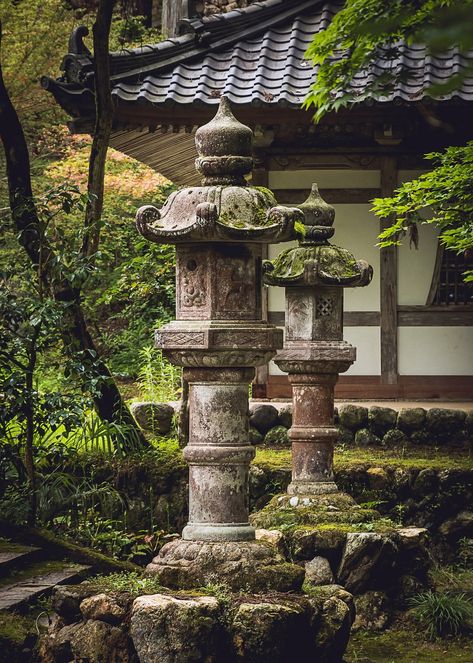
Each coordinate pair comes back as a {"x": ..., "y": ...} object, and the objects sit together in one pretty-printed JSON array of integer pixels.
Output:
[
  {"x": 131, "y": 582},
  {"x": 444, "y": 194},
  {"x": 442, "y": 614},
  {"x": 367, "y": 30},
  {"x": 159, "y": 380}
]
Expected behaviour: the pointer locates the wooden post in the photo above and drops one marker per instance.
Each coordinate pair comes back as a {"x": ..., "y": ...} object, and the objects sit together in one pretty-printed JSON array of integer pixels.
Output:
[
  {"x": 173, "y": 12},
  {"x": 388, "y": 284},
  {"x": 260, "y": 178}
]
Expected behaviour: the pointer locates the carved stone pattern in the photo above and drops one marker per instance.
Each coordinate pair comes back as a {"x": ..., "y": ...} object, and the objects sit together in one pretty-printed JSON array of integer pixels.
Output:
[
  {"x": 194, "y": 291},
  {"x": 239, "y": 339},
  {"x": 226, "y": 358},
  {"x": 236, "y": 285},
  {"x": 184, "y": 339},
  {"x": 324, "y": 307}
]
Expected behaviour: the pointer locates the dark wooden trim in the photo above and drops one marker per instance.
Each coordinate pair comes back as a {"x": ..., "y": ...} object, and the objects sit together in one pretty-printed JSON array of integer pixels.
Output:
[
  {"x": 388, "y": 284},
  {"x": 371, "y": 387},
  {"x": 350, "y": 318},
  {"x": 455, "y": 315},
  {"x": 333, "y": 196}
]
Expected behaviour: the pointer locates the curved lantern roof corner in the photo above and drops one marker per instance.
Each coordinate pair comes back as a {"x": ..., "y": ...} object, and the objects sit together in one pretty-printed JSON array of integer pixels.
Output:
[
  {"x": 225, "y": 207},
  {"x": 314, "y": 261}
]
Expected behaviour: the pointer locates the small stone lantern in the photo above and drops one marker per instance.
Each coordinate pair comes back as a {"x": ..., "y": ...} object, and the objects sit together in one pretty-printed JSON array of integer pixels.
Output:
[
  {"x": 314, "y": 274},
  {"x": 218, "y": 338}
]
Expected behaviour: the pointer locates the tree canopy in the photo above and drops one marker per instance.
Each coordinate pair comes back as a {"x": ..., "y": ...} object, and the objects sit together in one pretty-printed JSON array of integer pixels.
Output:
[{"x": 365, "y": 31}]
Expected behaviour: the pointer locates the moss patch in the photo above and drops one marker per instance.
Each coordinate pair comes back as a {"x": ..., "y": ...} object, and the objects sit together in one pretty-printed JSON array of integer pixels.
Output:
[
  {"x": 406, "y": 646},
  {"x": 430, "y": 458},
  {"x": 14, "y": 628}
]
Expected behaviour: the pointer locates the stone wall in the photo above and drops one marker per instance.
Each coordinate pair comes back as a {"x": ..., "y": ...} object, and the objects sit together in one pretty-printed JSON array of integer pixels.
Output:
[
  {"x": 208, "y": 7},
  {"x": 374, "y": 426}
]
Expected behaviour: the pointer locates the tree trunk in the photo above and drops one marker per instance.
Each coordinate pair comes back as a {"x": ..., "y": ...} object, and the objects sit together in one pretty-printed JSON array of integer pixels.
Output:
[{"x": 107, "y": 398}]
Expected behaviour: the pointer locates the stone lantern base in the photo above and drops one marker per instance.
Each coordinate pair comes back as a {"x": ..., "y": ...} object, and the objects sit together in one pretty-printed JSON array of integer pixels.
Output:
[{"x": 250, "y": 566}]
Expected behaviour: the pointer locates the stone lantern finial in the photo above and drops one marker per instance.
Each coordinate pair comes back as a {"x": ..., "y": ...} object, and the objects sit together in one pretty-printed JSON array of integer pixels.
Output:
[{"x": 224, "y": 148}]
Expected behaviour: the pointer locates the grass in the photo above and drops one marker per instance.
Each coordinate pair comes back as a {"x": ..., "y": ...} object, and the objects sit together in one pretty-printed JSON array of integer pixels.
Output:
[
  {"x": 426, "y": 458},
  {"x": 133, "y": 583},
  {"x": 403, "y": 645}
]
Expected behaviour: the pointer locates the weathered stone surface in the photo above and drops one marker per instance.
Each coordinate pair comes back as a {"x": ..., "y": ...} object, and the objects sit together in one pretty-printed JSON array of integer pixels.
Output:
[
  {"x": 469, "y": 422},
  {"x": 97, "y": 642},
  {"x": 55, "y": 646},
  {"x": 352, "y": 416},
  {"x": 285, "y": 416},
  {"x": 318, "y": 572},
  {"x": 366, "y": 438},
  {"x": 394, "y": 438},
  {"x": 410, "y": 538},
  {"x": 421, "y": 437},
  {"x": 426, "y": 482},
  {"x": 440, "y": 421},
  {"x": 409, "y": 585},
  {"x": 411, "y": 419},
  {"x": 458, "y": 526},
  {"x": 378, "y": 478},
  {"x": 381, "y": 419},
  {"x": 66, "y": 600},
  {"x": 271, "y": 536},
  {"x": 372, "y": 611},
  {"x": 272, "y": 631},
  {"x": 166, "y": 629},
  {"x": 155, "y": 417},
  {"x": 366, "y": 557},
  {"x": 103, "y": 607},
  {"x": 332, "y": 623},
  {"x": 263, "y": 417},
  {"x": 255, "y": 436},
  {"x": 306, "y": 543},
  {"x": 253, "y": 565},
  {"x": 345, "y": 436},
  {"x": 277, "y": 436}
]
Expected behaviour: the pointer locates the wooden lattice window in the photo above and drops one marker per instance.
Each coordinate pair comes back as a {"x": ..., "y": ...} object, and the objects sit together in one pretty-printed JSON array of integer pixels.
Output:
[{"x": 448, "y": 286}]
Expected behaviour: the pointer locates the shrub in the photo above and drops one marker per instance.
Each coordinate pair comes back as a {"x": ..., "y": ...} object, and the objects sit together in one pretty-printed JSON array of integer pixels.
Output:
[{"x": 442, "y": 614}]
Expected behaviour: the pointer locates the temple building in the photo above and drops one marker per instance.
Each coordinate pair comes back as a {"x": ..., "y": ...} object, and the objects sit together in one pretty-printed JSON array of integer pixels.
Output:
[{"x": 413, "y": 325}]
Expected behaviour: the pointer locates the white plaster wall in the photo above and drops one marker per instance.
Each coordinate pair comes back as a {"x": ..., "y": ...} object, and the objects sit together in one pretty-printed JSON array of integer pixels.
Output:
[
  {"x": 366, "y": 340},
  {"x": 415, "y": 267},
  {"x": 435, "y": 350}
]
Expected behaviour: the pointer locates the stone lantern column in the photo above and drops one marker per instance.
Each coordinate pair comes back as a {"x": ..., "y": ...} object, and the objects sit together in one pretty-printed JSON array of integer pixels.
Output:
[
  {"x": 314, "y": 275},
  {"x": 218, "y": 338}
]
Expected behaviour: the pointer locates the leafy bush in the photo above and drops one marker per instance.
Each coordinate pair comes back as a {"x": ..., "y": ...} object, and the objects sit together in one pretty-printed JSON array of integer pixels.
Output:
[
  {"x": 442, "y": 614},
  {"x": 159, "y": 380}
]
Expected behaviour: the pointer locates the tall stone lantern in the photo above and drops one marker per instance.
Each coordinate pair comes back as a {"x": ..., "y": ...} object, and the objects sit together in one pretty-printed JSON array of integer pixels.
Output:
[
  {"x": 218, "y": 338},
  {"x": 314, "y": 274}
]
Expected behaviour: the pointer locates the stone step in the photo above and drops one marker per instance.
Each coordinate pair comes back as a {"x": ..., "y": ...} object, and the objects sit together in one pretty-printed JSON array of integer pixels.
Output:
[
  {"x": 26, "y": 590},
  {"x": 13, "y": 556}
]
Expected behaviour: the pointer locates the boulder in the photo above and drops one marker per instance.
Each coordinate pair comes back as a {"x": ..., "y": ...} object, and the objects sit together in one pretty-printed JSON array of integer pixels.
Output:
[
  {"x": 378, "y": 478},
  {"x": 166, "y": 629},
  {"x": 55, "y": 646},
  {"x": 372, "y": 611},
  {"x": 352, "y": 416},
  {"x": 285, "y": 416},
  {"x": 318, "y": 571},
  {"x": 66, "y": 600},
  {"x": 381, "y": 419},
  {"x": 277, "y": 436},
  {"x": 272, "y": 536},
  {"x": 444, "y": 422},
  {"x": 394, "y": 438},
  {"x": 155, "y": 417},
  {"x": 409, "y": 586},
  {"x": 458, "y": 526},
  {"x": 97, "y": 642},
  {"x": 421, "y": 437},
  {"x": 367, "y": 560},
  {"x": 469, "y": 423},
  {"x": 425, "y": 483},
  {"x": 332, "y": 627},
  {"x": 345, "y": 436},
  {"x": 366, "y": 438},
  {"x": 103, "y": 607},
  {"x": 255, "y": 436},
  {"x": 306, "y": 543},
  {"x": 270, "y": 631},
  {"x": 411, "y": 419},
  {"x": 263, "y": 417}
]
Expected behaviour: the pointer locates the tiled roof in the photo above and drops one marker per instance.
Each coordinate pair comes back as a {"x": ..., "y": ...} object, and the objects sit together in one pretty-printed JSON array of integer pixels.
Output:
[{"x": 253, "y": 56}]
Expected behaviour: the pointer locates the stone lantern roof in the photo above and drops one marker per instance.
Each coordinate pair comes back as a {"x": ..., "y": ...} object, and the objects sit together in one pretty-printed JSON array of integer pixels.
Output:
[
  {"x": 225, "y": 207},
  {"x": 315, "y": 261}
]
